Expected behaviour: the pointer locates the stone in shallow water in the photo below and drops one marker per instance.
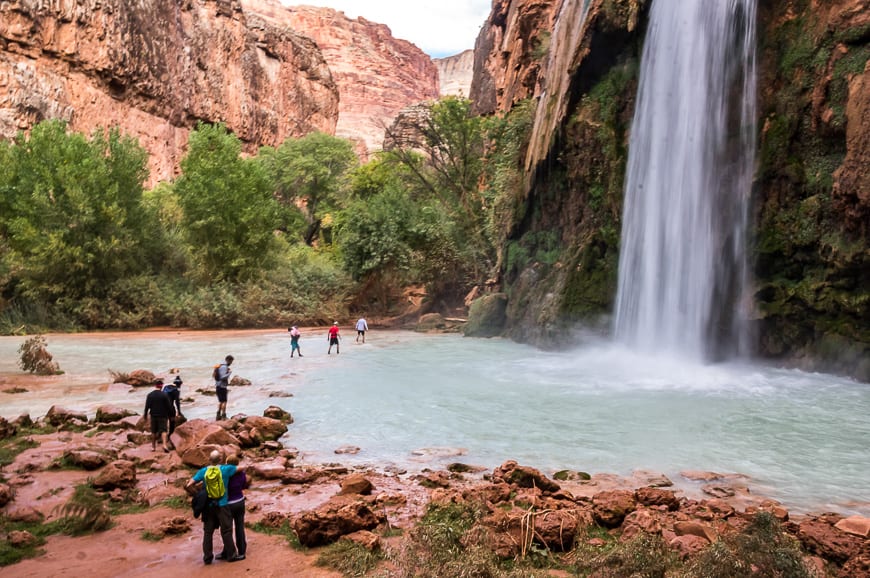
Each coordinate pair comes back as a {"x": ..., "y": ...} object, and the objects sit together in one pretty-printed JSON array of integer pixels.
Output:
[{"x": 439, "y": 452}]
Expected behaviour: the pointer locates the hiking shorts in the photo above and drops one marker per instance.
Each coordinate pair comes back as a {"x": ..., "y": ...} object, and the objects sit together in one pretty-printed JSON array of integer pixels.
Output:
[
  {"x": 221, "y": 394},
  {"x": 159, "y": 424}
]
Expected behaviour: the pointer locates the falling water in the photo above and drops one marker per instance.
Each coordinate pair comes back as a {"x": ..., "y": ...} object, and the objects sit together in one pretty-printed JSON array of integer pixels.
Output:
[{"x": 682, "y": 263}]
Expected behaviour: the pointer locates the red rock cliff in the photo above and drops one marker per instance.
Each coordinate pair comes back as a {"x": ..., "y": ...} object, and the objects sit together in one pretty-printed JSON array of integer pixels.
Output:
[
  {"x": 377, "y": 75},
  {"x": 155, "y": 67},
  {"x": 509, "y": 51}
]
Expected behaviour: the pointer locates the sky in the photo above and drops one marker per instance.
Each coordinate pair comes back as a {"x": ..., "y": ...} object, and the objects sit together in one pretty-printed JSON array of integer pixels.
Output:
[{"x": 439, "y": 27}]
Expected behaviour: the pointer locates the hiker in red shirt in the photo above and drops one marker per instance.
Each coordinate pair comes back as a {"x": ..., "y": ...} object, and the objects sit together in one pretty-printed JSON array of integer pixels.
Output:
[{"x": 333, "y": 338}]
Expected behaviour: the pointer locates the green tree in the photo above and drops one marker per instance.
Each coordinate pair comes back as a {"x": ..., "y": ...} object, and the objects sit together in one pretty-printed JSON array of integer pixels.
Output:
[
  {"x": 390, "y": 237},
  {"x": 311, "y": 173},
  {"x": 230, "y": 213},
  {"x": 72, "y": 216},
  {"x": 445, "y": 160}
]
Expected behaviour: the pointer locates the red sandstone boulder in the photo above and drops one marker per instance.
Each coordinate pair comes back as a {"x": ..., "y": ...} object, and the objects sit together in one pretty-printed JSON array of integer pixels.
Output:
[
  {"x": 657, "y": 497},
  {"x": 356, "y": 484},
  {"x": 490, "y": 494},
  {"x": 856, "y": 525},
  {"x": 689, "y": 545},
  {"x": 270, "y": 429},
  {"x": 301, "y": 476},
  {"x": 196, "y": 438},
  {"x": 269, "y": 470},
  {"x": 524, "y": 477},
  {"x": 275, "y": 412},
  {"x": 87, "y": 459},
  {"x": 820, "y": 537},
  {"x": 109, "y": 414},
  {"x": 58, "y": 416},
  {"x": 556, "y": 529},
  {"x": 21, "y": 539},
  {"x": 334, "y": 519},
  {"x": 26, "y": 515},
  {"x": 641, "y": 521},
  {"x": 119, "y": 474},
  {"x": 858, "y": 566},
  {"x": 368, "y": 540},
  {"x": 611, "y": 508},
  {"x": 694, "y": 528}
]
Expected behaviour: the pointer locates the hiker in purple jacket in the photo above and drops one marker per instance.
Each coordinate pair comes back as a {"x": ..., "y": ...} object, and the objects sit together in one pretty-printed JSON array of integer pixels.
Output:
[{"x": 236, "y": 504}]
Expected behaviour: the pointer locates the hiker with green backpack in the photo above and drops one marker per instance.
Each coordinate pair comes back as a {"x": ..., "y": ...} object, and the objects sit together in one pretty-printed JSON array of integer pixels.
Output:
[{"x": 216, "y": 514}]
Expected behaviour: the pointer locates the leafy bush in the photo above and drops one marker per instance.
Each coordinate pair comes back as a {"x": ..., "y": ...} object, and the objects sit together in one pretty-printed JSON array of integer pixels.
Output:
[
  {"x": 35, "y": 357},
  {"x": 84, "y": 513},
  {"x": 762, "y": 549}
]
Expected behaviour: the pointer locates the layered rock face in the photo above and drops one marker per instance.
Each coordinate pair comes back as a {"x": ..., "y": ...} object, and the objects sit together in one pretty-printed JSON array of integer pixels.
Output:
[
  {"x": 812, "y": 206},
  {"x": 509, "y": 53},
  {"x": 455, "y": 73},
  {"x": 156, "y": 67},
  {"x": 377, "y": 75}
]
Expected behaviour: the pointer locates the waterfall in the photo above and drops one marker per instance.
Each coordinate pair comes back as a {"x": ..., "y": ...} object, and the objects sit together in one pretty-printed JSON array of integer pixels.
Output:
[{"x": 682, "y": 268}]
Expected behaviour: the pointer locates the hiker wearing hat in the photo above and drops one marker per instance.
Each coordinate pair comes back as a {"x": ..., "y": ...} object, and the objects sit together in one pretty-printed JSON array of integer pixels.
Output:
[
  {"x": 333, "y": 338},
  {"x": 158, "y": 405},
  {"x": 174, "y": 393}
]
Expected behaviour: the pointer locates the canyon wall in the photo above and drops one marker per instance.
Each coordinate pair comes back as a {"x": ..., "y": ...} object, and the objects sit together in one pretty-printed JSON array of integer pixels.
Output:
[
  {"x": 455, "y": 73},
  {"x": 155, "y": 68},
  {"x": 377, "y": 75},
  {"x": 811, "y": 301}
]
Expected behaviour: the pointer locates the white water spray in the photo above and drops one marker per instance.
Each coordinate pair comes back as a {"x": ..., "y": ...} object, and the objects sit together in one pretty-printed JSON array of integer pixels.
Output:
[{"x": 682, "y": 262}]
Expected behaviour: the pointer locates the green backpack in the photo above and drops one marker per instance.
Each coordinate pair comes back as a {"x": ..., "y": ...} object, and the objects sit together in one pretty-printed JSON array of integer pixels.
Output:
[{"x": 214, "y": 483}]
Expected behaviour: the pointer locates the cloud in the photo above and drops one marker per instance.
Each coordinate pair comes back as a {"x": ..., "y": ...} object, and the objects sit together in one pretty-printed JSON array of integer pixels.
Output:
[{"x": 439, "y": 27}]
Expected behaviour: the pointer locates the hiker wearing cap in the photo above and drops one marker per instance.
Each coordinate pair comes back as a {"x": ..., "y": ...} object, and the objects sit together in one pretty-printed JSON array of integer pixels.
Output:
[
  {"x": 174, "y": 393},
  {"x": 157, "y": 404},
  {"x": 294, "y": 341},
  {"x": 333, "y": 338}
]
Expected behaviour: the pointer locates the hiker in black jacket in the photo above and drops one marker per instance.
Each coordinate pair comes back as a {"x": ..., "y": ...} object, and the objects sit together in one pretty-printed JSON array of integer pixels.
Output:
[
  {"x": 174, "y": 393},
  {"x": 160, "y": 407}
]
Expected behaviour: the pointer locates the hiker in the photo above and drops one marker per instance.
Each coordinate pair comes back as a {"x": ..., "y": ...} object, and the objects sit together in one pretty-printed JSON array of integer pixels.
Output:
[
  {"x": 333, "y": 338},
  {"x": 158, "y": 405},
  {"x": 221, "y": 382},
  {"x": 361, "y": 328},
  {"x": 236, "y": 504},
  {"x": 294, "y": 340},
  {"x": 174, "y": 393},
  {"x": 216, "y": 514}
]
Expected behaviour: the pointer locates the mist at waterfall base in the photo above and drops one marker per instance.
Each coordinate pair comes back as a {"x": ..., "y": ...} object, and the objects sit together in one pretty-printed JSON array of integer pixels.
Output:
[{"x": 414, "y": 401}]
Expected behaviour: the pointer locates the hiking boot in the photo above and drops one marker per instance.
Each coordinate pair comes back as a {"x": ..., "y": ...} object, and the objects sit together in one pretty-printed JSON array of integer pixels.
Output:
[
  {"x": 237, "y": 558},
  {"x": 208, "y": 560}
]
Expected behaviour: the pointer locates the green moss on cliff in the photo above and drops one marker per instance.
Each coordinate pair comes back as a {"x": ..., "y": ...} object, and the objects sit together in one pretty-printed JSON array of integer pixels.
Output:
[
  {"x": 811, "y": 269},
  {"x": 562, "y": 270}
]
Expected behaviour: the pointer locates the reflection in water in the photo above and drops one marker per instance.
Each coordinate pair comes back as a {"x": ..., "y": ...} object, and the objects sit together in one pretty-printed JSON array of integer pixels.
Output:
[{"x": 801, "y": 437}]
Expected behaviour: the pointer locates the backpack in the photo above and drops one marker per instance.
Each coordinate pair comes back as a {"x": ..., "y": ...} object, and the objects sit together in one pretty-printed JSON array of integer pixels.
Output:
[
  {"x": 216, "y": 373},
  {"x": 214, "y": 483}
]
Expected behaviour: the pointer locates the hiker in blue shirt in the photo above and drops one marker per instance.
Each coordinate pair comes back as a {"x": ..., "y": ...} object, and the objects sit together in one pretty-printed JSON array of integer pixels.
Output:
[{"x": 217, "y": 513}]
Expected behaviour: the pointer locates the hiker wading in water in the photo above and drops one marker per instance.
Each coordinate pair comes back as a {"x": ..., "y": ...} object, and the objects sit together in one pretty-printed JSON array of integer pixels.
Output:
[{"x": 221, "y": 382}]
